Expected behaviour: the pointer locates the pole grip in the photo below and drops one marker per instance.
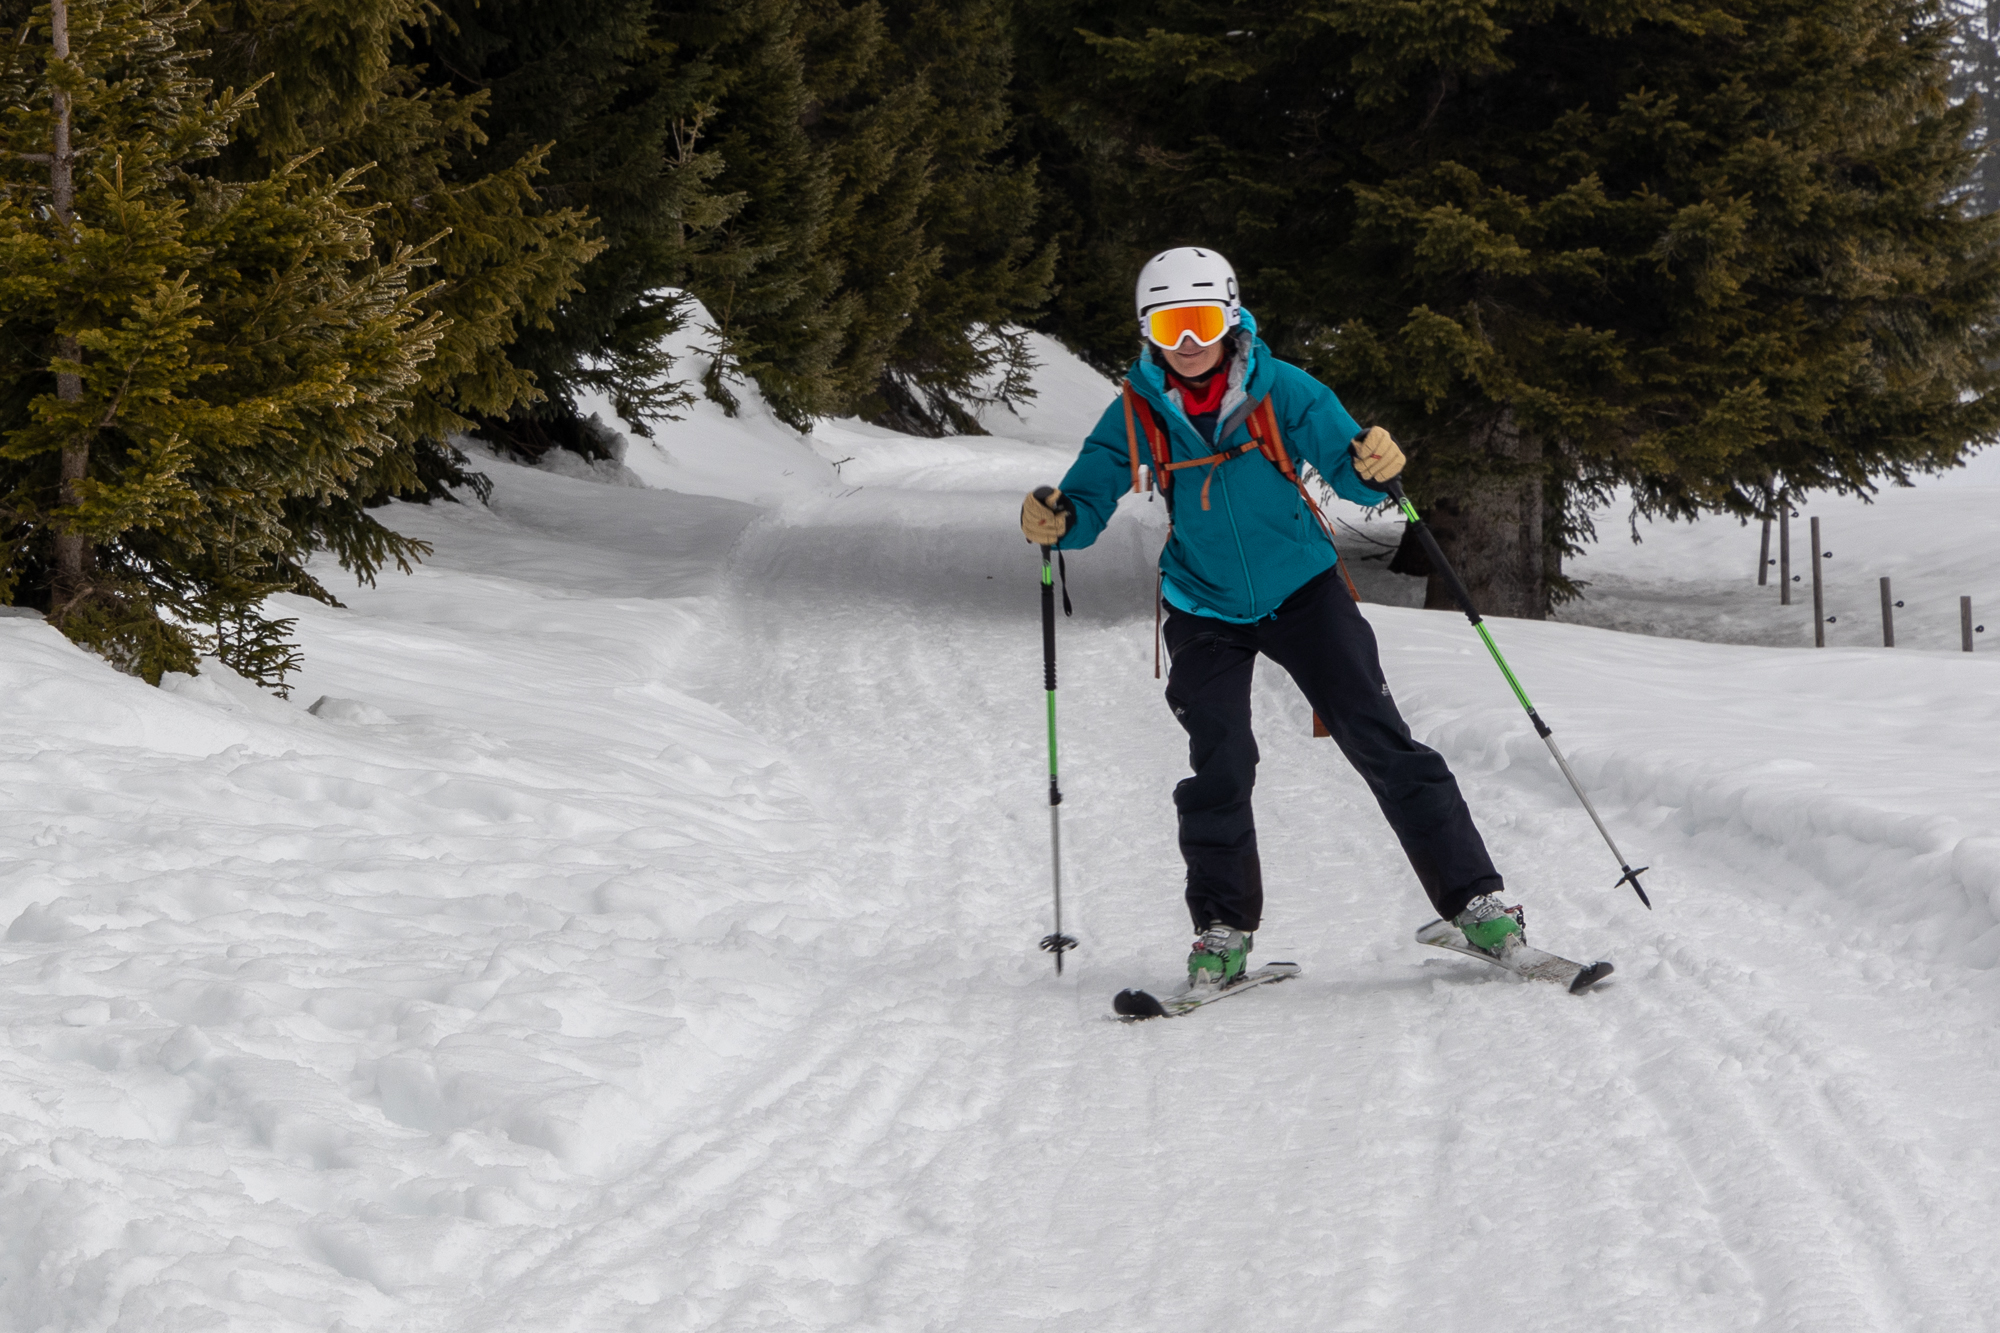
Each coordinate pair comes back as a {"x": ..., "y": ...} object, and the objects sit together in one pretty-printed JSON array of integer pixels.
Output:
[
  {"x": 1048, "y": 625},
  {"x": 1439, "y": 564}
]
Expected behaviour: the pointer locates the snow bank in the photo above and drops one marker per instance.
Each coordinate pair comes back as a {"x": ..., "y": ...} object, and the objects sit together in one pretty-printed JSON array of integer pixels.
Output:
[
  {"x": 752, "y": 456},
  {"x": 747, "y": 454},
  {"x": 1069, "y": 398},
  {"x": 1854, "y": 783},
  {"x": 314, "y": 1012},
  {"x": 1933, "y": 540}
]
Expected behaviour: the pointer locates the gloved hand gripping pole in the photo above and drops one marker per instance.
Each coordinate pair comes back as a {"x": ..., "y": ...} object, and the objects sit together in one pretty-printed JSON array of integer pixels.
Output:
[
  {"x": 1057, "y": 942},
  {"x": 1464, "y": 600}
]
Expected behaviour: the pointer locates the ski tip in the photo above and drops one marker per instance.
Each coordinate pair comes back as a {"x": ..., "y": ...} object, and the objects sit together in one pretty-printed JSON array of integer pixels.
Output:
[
  {"x": 1589, "y": 977},
  {"x": 1137, "y": 1004}
]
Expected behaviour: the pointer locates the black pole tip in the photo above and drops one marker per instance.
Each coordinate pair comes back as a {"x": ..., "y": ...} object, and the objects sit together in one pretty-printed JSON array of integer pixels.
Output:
[
  {"x": 1055, "y": 944},
  {"x": 1631, "y": 877}
]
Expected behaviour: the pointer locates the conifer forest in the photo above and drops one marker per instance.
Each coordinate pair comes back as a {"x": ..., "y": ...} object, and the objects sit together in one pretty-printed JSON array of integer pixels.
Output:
[{"x": 263, "y": 262}]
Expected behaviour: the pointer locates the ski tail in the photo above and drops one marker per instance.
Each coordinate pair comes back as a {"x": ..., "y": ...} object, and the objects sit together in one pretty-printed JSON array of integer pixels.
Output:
[
  {"x": 1133, "y": 1005},
  {"x": 1137, "y": 1004}
]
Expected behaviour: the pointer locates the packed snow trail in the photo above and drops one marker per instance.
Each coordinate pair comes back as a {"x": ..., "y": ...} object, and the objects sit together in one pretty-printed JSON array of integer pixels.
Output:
[
  {"x": 641, "y": 936},
  {"x": 1735, "y": 1135}
]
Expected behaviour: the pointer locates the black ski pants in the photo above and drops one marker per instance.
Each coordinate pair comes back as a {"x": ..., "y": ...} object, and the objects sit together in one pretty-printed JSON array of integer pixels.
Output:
[{"x": 1319, "y": 637}]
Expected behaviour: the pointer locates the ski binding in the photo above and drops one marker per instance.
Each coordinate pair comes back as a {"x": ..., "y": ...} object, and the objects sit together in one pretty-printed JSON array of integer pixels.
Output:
[
  {"x": 1521, "y": 959},
  {"x": 1133, "y": 1005}
]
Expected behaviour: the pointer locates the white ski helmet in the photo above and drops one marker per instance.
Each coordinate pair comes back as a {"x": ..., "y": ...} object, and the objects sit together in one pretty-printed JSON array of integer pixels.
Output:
[{"x": 1187, "y": 276}]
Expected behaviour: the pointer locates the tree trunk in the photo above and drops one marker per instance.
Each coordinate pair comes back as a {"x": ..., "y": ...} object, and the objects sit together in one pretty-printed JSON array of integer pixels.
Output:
[
  {"x": 72, "y": 553},
  {"x": 1491, "y": 527}
]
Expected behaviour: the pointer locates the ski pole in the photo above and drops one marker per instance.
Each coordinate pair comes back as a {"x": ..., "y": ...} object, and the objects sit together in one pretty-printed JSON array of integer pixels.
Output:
[
  {"x": 1464, "y": 599},
  {"x": 1057, "y": 942}
]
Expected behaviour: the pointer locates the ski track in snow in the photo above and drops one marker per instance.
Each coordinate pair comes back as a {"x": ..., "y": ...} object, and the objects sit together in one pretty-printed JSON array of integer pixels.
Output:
[
  {"x": 1740, "y": 1171},
  {"x": 641, "y": 937}
]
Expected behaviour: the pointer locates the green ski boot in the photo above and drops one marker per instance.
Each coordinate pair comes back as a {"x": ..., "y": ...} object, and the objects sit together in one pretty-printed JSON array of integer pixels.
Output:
[
  {"x": 1488, "y": 925},
  {"x": 1219, "y": 957}
]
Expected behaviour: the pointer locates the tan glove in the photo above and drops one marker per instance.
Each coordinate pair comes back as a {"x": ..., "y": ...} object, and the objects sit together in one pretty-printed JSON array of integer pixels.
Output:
[
  {"x": 1376, "y": 457},
  {"x": 1046, "y": 515}
]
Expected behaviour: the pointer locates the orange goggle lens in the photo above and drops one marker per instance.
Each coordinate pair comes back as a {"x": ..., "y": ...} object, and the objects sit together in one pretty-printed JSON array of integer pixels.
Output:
[{"x": 1205, "y": 323}]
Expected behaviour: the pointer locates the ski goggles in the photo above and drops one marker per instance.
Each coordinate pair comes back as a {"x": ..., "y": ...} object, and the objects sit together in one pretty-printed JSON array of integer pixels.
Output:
[{"x": 1204, "y": 323}]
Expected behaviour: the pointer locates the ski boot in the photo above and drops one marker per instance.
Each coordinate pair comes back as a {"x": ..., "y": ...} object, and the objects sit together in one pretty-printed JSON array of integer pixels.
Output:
[
  {"x": 1219, "y": 957},
  {"x": 1490, "y": 926}
]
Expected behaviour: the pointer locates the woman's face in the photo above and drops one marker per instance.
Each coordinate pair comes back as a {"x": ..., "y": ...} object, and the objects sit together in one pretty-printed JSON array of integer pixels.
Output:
[{"x": 1191, "y": 359}]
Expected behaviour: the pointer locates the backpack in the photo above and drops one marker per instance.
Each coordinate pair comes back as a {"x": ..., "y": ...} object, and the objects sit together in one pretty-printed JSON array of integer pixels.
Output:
[{"x": 1157, "y": 468}]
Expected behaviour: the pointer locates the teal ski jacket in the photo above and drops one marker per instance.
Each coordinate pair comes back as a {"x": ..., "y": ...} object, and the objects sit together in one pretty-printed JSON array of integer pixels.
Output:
[{"x": 1257, "y": 543}]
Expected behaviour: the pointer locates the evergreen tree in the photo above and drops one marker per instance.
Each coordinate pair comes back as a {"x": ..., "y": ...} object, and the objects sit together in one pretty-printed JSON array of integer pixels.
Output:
[
  {"x": 194, "y": 371},
  {"x": 1559, "y": 248},
  {"x": 867, "y": 121},
  {"x": 1086, "y": 135},
  {"x": 1976, "y": 61},
  {"x": 883, "y": 243},
  {"x": 622, "y": 113},
  {"x": 961, "y": 340},
  {"x": 349, "y": 80},
  {"x": 797, "y": 134},
  {"x": 828, "y": 176}
]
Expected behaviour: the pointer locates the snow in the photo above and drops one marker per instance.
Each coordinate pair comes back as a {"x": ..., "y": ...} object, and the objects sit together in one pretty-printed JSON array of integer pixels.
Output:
[
  {"x": 1934, "y": 541},
  {"x": 745, "y": 453},
  {"x": 629, "y": 923}
]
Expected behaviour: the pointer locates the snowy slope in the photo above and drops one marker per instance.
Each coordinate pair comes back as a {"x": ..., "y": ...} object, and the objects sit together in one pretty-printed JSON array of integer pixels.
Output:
[{"x": 640, "y": 936}]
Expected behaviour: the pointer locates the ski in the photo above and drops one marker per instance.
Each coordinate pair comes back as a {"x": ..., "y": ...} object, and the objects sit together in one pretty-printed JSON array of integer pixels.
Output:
[
  {"x": 1133, "y": 1005},
  {"x": 1521, "y": 959}
]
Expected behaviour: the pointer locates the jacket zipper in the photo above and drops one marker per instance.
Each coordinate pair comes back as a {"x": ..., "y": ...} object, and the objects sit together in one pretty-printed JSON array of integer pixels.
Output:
[
  {"x": 1230, "y": 509},
  {"x": 1243, "y": 559}
]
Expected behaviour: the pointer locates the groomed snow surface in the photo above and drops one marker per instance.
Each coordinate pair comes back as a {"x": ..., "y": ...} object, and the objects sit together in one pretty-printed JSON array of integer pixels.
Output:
[{"x": 629, "y": 924}]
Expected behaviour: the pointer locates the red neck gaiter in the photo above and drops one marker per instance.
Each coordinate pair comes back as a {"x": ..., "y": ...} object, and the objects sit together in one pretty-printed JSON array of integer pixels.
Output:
[{"x": 1199, "y": 397}]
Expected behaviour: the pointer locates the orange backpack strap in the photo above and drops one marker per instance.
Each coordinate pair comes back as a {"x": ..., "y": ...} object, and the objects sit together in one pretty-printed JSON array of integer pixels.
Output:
[
  {"x": 1139, "y": 418},
  {"x": 1131, "y": 435},
  {"x": 1263, "y": 423}
]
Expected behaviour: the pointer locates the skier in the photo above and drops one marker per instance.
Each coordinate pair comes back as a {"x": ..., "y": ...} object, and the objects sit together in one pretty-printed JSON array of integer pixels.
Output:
[{"x": 1247, "y": 570}]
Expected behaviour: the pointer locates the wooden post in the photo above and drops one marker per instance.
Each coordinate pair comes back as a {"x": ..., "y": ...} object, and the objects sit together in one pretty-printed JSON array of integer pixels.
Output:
[
  {"x": 1819, "y": 601},
  {"x": 1784, "y": 551},
  {"x": 1764, "y": 556},
  {"x": 1888, "y": 616},
  {"x": 1965, "y": 623}
]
